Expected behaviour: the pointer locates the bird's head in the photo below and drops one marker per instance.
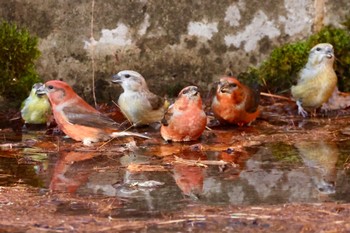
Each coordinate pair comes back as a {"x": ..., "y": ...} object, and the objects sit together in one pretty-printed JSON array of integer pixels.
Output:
[
  {"x": 227, "y": 85},
  {"x": 35, "y": 88},
  {"x": 130, "y": 80},
  {"x": 189, "y": 94},
  {"x": 321, "y": 53},
  {"x": 57, "y": 91}
]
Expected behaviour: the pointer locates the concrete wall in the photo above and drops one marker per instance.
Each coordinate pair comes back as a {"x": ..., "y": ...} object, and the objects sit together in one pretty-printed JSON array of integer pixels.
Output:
[{"x": 172, "y": 43}]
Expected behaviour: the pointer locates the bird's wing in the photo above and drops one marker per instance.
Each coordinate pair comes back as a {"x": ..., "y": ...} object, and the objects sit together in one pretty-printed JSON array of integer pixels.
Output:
[
  {"x": 253, "y": 100},
  {"x": 155, "y": 100},
  {"x": 167, "y": 116},
  {"x": 82, "y": 116}
]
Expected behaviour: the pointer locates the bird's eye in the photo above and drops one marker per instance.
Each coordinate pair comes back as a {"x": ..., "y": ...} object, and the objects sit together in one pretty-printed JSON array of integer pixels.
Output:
[
  {"x": 318, "y": 49},
  {"x": 233, "y": 85},
  {"x": 50, "y": 87},
  {"x": 127, "y": 76}
]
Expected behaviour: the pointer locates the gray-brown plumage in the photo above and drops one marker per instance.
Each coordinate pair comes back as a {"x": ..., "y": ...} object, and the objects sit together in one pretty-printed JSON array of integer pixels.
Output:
[{"x": 137, "y": 103}]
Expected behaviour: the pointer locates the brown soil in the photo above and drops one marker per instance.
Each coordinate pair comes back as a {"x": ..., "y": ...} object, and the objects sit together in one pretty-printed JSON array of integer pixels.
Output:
[{"x": 24, "y": 209}]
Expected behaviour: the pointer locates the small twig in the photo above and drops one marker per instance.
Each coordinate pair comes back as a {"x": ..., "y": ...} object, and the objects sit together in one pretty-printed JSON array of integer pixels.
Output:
[
  {"x": 199, "y": 163},
  {"x": 93, "y": 53},
  {"x": 58, "y": 144},
  {"x": 208, "y": 128},
  {"x": 181, "y": 220},
  {"x": 189, "y": 162},
  {"x": 105, "y": 143},
  {"x": 328, "y": 212},
  {"x": 275, "y": 96},
  {"x": 132, "y": 125},
  {"x": 8, "y": 145},
  {"x": 347, "y": 163},
  {"x": 145, "y": 168},
  {"x": 249, "y": 216}
]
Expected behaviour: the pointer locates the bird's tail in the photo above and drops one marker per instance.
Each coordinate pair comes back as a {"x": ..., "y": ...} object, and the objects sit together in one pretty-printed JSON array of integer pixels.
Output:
[{"x": 127, "y": 133}]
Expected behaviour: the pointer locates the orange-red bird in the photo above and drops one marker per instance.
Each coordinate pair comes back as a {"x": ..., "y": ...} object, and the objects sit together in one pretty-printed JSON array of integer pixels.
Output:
[
  {"x": 235, "y": 103},
  {"x": 185, "y": 120},
  {"x": 78, "y": 119}
]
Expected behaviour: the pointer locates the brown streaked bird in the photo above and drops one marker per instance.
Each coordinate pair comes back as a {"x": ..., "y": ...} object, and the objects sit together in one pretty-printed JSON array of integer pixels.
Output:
[
  {"x": 317, "y": 80},
  {"x": 235, "y": 103},
  {"x": 138, "y": 104},
  {"x": 185, "y": 120}
]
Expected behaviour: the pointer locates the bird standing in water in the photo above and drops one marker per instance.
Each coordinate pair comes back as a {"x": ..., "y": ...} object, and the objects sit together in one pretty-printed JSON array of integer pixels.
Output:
[
  {"x": 137, "y": 103},
  {"x": 78, "y": 119},
  {"x": 185, "y": 120},
  {"x": 235, "y": 103},
  {"x": 317, "y": 79},
  {"x": 36, "y": 108}
]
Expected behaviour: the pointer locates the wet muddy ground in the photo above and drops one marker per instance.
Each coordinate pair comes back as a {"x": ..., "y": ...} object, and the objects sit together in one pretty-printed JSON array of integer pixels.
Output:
[{"x": 281, "y": 174}]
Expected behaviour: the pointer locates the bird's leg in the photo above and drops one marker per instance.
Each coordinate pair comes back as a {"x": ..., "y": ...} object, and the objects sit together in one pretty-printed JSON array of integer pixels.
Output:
[
  {"x": 301, "y": 110},
  {"x": 314, "y": 113}
]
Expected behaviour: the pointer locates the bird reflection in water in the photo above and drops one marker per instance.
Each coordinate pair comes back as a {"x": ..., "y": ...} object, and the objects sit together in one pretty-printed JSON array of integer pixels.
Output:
[
  {"x": 321, "y": 158},
  {"x": 190, "y": 178},
  {"x": 68, "y": 178}
]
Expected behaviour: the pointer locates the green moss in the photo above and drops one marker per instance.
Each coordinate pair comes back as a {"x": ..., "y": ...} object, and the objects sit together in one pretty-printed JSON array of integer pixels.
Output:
[
  {"x": 18, "y": 52},
  {"x": 280, "y": 70}
]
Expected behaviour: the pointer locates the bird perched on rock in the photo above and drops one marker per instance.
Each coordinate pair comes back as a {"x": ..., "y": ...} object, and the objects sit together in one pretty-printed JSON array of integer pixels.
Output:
[
  {"x": 317, "y": 80},
  {"x": 36, "y": 108},
  {"x": 185, "y": 120},
  {"x": 137, "y": 103},
  {"x": 234, "y": 102},
  {"x": 78, "y": 119}
]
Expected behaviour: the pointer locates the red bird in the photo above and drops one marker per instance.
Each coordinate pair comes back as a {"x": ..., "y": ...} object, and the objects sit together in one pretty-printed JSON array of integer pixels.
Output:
[
  {"x": 78, "y": 119},
  {"x": 235, "y": 103},
  {"x": 185, "y": 120}
]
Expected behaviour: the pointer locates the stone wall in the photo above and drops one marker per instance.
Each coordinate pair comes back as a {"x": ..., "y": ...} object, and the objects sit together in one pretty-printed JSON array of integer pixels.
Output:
[{"x": 172, "y": 43}]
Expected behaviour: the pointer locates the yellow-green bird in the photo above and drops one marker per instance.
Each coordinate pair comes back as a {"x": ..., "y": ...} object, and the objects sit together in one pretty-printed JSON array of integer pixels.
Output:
[
  {"x": 317, "y": 80},
  {"x": 36, "y": 109},
  {"x": 139, "y": 105}
]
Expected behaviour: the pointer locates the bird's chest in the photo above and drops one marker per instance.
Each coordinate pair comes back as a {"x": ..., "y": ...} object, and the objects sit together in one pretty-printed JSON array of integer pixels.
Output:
[
  {"x": 225, "y": 106},
  {"x": 39, "y": 106},
  {"x": 132, "y": 102},
  {"x": 323, "y": 85},
  {"x": 188, "y": 119}
]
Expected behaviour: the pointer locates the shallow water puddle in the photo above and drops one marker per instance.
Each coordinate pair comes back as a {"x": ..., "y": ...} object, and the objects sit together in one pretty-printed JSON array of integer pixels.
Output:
[{"x": 267, "y": 163}]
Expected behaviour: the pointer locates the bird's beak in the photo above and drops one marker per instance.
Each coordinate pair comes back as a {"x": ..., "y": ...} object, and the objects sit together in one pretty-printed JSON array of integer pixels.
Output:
[
  {"x": 189, "y": 91},
  {"x": 41, "y": 90},
  {"x": 226, "y": 87},
  {"x": 329, "y": 53},
  {"x": 195, "y": 91},
  {"x": 223, "y": 87},
  {"x": 116, "y": 79}
]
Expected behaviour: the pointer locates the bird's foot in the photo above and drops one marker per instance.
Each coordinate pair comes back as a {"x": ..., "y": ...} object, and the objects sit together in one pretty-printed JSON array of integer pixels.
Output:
[{"x": 301, "y": 110}]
